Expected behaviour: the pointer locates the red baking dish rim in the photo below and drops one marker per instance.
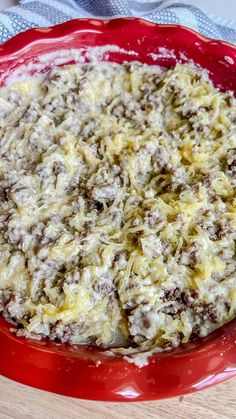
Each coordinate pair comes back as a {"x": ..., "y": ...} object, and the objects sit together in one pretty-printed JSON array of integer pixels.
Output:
[{"x": 86, "y": 372}]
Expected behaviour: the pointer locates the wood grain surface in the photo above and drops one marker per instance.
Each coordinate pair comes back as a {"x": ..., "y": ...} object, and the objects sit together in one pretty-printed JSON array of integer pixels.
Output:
[{"x": 21, "y": 402}]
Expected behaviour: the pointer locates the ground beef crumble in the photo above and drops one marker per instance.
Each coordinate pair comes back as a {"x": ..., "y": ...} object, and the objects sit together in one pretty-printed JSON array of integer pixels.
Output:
[{"x": 117, "y": 205}]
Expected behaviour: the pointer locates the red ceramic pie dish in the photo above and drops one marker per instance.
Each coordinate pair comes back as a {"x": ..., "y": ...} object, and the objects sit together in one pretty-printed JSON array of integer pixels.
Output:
[{"x": 82, "y": 371}]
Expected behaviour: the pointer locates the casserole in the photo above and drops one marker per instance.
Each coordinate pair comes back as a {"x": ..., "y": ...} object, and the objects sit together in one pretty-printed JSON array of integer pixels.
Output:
[{"x": 82, "y": 371}]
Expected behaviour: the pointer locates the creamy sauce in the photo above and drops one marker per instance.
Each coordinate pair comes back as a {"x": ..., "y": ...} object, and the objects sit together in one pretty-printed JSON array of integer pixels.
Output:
[{"x": 118, "y": 205}]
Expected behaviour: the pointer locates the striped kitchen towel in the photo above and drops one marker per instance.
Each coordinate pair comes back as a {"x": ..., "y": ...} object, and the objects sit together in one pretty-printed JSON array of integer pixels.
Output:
[{"x": 34, "y": 13}]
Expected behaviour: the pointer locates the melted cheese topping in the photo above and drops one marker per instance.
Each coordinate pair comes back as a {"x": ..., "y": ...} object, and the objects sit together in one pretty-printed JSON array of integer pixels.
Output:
[{"x": 118, "y": 207}]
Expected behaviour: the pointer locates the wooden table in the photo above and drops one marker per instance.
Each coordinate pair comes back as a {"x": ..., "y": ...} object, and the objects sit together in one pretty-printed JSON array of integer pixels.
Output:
[{"x": 21, "y": 402}]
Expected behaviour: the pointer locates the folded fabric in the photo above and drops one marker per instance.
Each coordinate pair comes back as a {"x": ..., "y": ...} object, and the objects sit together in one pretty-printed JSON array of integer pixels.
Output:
[{"x": 32, "y": 13}]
